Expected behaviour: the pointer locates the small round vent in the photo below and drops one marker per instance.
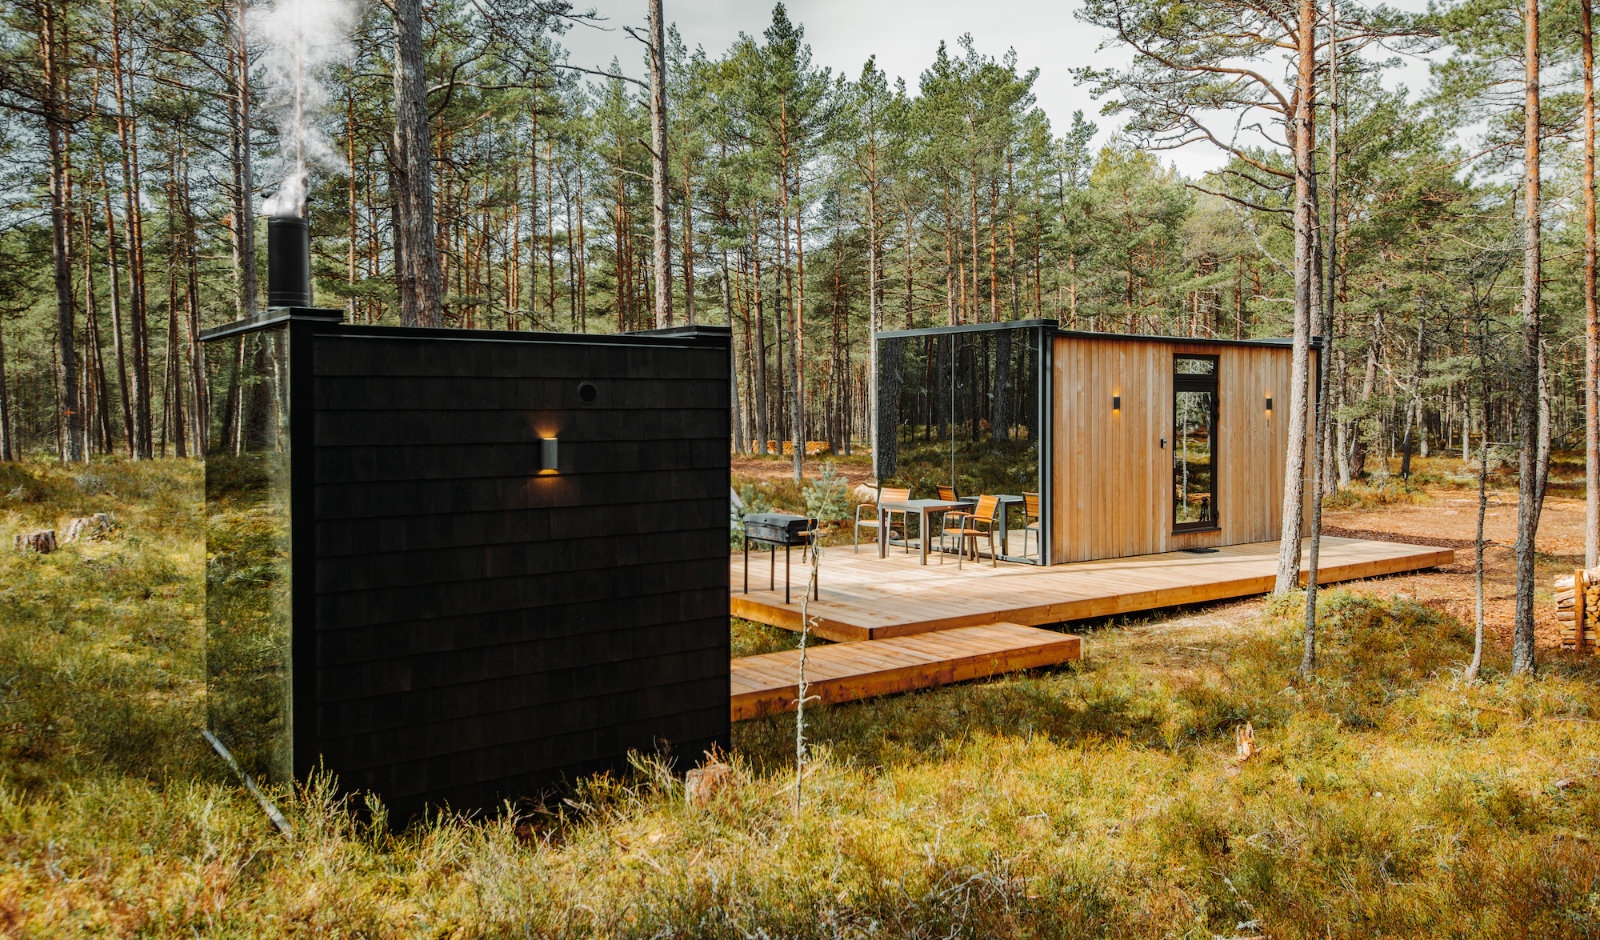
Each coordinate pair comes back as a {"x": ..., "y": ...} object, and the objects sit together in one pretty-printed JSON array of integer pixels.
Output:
[{"x": 587, "y": 393}]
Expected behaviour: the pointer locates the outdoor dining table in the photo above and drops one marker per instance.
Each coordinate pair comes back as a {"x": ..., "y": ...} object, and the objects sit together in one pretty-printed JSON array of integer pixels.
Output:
[{"x": 922, "y": 507}]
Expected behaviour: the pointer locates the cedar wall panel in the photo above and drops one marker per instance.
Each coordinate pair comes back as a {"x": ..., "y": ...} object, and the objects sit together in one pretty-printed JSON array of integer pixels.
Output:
[
  {"x": 1112, "y": 486},
  {"x": 484, "y": 631}
]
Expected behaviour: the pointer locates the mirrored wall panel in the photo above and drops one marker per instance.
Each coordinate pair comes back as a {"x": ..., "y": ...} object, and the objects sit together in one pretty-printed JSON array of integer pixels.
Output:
[
  {"x": 248, "y": 587},
  {"x": 962, "y": 407}
]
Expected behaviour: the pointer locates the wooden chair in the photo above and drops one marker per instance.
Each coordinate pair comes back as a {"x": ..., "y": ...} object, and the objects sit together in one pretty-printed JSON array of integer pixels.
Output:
[
  {"x": 977, "y": 524},
  {"x": 947, "y": 494},
  {"x": 891, "y": 494},
  {"x": 1031, "y": 518}
]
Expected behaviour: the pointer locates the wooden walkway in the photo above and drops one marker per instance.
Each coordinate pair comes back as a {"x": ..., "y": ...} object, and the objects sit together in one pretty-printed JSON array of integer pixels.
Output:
[
  {"x": 864, "y": 597},
  {"x": 843, "y": 672}
]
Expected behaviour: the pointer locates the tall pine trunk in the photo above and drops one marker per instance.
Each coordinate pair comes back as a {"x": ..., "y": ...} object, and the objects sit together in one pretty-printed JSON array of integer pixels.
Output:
[
  {"x": 418, "y": 254},
  {"x": 662, "y": 224},
  {"x": 1522, "y": 657},
  {"x": 51, "y": 45},
  {"x": 1591, "y": 311},
  {"x": 1304, "y": 137}
]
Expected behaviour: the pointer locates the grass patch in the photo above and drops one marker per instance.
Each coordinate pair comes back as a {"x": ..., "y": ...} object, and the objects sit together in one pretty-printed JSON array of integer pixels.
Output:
[{"x": 1095, "y": 800}]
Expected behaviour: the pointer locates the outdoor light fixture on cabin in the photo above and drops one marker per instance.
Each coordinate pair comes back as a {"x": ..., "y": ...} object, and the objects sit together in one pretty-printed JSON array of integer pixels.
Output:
[
  {"x": 1269, "y": 407},
  {"x": 1116, "y": 403},
  {"x": 547, "y": 454}
]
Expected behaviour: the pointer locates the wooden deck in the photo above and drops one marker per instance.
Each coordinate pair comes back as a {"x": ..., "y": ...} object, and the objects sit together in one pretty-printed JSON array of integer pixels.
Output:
[
  {"x": 843, "y": 672},
  {"x": 864, "y": 597}
]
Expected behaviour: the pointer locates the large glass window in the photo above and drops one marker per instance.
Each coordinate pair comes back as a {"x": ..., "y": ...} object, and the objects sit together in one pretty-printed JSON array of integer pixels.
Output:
[
  {"x": 1194, "y": 442},
  {"x": 962, "y": 408},
  {"x": 248, "y": 588}
]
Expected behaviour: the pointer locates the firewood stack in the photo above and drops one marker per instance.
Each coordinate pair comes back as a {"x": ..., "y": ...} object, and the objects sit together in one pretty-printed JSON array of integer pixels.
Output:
[{"x": 1578, "y": 609}]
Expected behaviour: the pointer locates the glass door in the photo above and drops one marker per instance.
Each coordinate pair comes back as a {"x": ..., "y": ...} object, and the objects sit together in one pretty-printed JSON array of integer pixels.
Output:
[{"x": 1194, "y": 442}]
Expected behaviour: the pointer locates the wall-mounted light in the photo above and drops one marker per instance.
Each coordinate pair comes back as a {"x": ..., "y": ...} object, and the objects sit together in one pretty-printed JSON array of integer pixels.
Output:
[
  {"x": 1116, "y": 402},
  {"x": 547, "y": 454},
  {"x": 1269, "y": 406}
]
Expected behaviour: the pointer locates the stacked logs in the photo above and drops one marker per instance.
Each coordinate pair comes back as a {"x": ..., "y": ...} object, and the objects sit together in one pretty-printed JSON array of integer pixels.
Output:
[{"x": 1578, "y": 609}]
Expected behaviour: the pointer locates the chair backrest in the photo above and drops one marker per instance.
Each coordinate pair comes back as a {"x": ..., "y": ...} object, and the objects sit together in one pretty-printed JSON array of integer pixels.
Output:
[
  {"x": 947, "y": 493},
  {"x": 1030, "y": 504},
  {"x": 987, "y": 505},
  {"x": 894, "y": 494}
]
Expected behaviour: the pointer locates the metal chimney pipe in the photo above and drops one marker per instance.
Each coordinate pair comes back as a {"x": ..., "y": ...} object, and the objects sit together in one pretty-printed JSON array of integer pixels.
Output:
[{"x": 288, "y": 262}]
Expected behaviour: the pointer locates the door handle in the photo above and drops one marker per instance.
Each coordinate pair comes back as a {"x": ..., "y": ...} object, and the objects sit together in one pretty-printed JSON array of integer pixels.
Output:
[{"x": 1163, "y": 443}]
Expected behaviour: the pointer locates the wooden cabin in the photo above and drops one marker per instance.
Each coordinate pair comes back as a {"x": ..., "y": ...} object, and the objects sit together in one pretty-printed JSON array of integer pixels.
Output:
[{"x": 1136, "y": 444}]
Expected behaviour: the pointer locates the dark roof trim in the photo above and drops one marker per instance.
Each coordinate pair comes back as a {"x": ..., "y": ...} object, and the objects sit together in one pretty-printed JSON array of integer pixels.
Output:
[
  {"x": 1053, "y": 326},
  {"x": 274, "y": 316},
  {"x": 971, "y": 328},
  {"x": 328, "y": 322}
]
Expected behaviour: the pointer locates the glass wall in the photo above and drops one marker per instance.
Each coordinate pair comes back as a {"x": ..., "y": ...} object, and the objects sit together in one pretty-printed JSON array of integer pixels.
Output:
[
  {"x": 962, "y": 407},
  {"x": 248, "y": 587}
]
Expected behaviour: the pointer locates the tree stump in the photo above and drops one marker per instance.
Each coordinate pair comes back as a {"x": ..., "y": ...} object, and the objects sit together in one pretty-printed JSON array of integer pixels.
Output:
[
  {"x": 42, "y": 541},
  {"x": 96, "y": 527},
  {"x": 702, "y": 784}
]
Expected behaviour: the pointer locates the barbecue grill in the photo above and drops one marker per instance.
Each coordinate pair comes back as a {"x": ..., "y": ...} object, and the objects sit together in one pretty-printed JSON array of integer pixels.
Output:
[{"x": 773, "y": 529}]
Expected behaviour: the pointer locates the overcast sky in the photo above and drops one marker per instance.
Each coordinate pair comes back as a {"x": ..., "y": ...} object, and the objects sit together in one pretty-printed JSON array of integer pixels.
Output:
[{"x": 904, "y": 34}]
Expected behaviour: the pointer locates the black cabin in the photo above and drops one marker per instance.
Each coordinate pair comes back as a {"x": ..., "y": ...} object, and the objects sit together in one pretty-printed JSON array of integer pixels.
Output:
[{"x": 456, "y": 567}]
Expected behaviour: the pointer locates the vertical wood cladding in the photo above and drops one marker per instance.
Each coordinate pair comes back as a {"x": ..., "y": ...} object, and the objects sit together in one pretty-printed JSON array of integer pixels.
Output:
[
  {"x": 1111, "y": 478},
  {"x": 485, "y": 630}
]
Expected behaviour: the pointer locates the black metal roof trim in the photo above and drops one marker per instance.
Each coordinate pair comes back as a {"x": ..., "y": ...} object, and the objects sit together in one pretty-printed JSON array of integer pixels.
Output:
[
  {"x": 1276, "y": 342},
  {"x": 970, "y": 328},
  {"x": 272, "y": 317},
  {"x": 329, "y": 322}
]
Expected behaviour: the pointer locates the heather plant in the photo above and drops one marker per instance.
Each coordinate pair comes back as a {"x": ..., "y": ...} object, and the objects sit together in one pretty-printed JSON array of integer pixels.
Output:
[{"x": 1384, "y": 795}]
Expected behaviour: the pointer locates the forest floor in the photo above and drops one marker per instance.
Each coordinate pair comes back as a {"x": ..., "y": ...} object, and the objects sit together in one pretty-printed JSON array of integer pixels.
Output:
[{"x": 1385, "y": 796}]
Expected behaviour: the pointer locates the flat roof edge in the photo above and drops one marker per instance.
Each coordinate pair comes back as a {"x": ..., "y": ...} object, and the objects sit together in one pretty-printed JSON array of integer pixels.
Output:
[{"x": 1053, "y": 326}]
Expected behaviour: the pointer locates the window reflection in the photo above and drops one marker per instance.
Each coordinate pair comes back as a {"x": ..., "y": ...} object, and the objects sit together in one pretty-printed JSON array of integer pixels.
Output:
[
  {"x": 248, "y": 587},
  {"x": 961, "y": 408},
  {"x": 1194, "y": 410}
]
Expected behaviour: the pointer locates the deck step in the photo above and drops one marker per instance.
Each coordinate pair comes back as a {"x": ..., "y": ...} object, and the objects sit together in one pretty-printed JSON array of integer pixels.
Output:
[{"x": 844, "y": 672}]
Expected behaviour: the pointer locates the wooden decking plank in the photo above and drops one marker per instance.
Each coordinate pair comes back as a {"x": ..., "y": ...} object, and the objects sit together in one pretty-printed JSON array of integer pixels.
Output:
[
  {"x": 864, "y": 597},
  {"x": 849, "y": 671}
]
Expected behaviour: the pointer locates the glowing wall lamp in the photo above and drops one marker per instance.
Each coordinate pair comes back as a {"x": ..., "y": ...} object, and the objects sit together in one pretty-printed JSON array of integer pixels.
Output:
[
  {"x": 548, "y": 449},
  {"x": 1116, "y": 403}
]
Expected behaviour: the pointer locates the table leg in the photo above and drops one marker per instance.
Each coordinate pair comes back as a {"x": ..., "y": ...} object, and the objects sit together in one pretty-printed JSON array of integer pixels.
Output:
[
  {"x": 785, "y": 571},
  {"x": 883, "y": 534},
  {"x": 747, "y": 566},
  {"x": 1005, "y": 528},
  {"x": 924, "y": 539},
  {"x": 772, "y": 568}
]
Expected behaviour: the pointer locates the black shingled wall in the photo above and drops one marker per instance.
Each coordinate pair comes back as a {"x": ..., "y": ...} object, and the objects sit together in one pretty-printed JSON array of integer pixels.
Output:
[{"x": 483, "y": 631}]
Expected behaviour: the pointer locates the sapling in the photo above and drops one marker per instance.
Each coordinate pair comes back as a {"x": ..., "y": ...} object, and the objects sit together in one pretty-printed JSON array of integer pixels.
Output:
[{"x": 825, "y": 502}]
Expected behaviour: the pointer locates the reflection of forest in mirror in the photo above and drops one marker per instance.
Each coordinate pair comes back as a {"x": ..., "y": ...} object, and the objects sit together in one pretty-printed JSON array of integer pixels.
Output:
[
  {"x": 961, "y": 408},
  {"x": 1194, "y": 410},
  {"x": 247, "y": 550}
]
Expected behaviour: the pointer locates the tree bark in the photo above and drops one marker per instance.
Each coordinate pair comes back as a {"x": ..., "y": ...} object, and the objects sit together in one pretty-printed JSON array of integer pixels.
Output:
[
  {"x": 1308, "y": 653},
  {"x": 417, "y": 252},
  {"x": 1591, "y": 311},
  {"x": 662, "y": 227},
  {"x": 8, "y": 449},
  {"x": 50, "y": 49},
  {"x": 243, "y": 229},
  {"x": 1522, "y": 655},
  {"x": 1304, "y": 215}
]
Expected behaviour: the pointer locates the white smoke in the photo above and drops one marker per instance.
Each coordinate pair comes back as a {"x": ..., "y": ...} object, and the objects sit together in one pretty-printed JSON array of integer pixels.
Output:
[{"x": 302, "y": 38}]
